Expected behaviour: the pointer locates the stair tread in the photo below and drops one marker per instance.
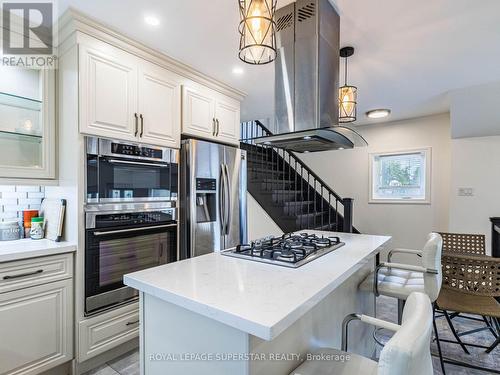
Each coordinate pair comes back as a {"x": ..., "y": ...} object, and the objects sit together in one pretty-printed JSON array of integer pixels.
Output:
[
  {"x": 323, "y": 227},
  {"x": 298, "y": 203}
]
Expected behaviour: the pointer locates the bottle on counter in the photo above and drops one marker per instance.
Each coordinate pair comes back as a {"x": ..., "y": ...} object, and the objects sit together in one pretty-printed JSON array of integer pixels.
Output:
[
  {"x": 36, "y": 231},
  {"x": 27, "y": 216}
]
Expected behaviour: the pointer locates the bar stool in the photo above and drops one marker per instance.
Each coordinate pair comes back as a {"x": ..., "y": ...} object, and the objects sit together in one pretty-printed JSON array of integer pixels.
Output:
[
  {"x": 400, "y": 280},
  {"x": 407, "y": 352}
]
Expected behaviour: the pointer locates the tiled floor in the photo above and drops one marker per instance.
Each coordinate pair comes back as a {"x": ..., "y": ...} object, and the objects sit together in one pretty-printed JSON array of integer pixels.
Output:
[
  {"x": 127, "y": 364},
  {"x": 386, "y": 309}
]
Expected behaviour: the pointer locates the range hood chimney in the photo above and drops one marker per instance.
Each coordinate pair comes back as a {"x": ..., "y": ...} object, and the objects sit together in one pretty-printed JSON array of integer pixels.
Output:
[{"x": 307, "y": 80}]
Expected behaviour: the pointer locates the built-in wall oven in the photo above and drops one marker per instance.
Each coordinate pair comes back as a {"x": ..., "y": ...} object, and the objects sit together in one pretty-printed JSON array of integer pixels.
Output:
[
  {"x": 130, "y": 214},
  {"x": 121, "y": 242}
]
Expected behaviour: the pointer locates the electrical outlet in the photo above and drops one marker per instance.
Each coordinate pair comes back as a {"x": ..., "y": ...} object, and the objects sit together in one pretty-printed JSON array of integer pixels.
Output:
[{"x": 465, "y": 192}]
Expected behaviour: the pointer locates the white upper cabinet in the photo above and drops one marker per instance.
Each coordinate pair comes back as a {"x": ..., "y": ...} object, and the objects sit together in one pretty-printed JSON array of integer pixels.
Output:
[
  {"x": 210, "y": 115},
  {"x": 125, "y": 97},
  {"x": 108, "y": 98},
  {"x": 198, "y": 117},
  {"x": 227, "y": 117},
  {"x": 159, "y": 106},
  {"x": 27, "y": 124}
]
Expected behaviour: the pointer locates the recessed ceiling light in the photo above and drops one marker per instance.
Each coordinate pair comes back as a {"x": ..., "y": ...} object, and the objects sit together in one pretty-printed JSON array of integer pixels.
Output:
[
  {"x": 378, "y": 113},
  {"x": 238, "y": 70},
  {"x": 152, "y": 20}
]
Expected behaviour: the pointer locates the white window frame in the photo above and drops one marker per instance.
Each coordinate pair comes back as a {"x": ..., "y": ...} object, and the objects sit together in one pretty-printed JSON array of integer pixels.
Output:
[{"x": 427, "y": 151}]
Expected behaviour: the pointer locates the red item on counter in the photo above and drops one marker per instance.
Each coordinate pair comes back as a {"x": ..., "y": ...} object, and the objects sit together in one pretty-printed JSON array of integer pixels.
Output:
[{"x": 27, "y": 216}]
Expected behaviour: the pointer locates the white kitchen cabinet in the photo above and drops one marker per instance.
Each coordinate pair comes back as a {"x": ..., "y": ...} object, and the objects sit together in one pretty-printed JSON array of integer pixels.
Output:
[
  {"x": 159, "y": 106},
  {"x": 36, "y": 322},
  {"x": 227, "y": 117},
  {"x": 125, "y": 97},
  {"x": 209, "y": 115},
  {"x": 198, "y": 116},
  {"x": 105, "y": 331},
  {"x": 108, "y": 92},
  {"x": 27, "y": 124}
]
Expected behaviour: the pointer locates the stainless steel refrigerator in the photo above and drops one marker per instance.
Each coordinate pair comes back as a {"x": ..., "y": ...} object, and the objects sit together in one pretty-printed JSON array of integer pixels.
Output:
[{"x": 213, "y": 205}]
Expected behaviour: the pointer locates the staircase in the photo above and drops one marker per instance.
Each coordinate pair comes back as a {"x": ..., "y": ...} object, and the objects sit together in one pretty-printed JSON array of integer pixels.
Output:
[{"x": 290, "y": 192}]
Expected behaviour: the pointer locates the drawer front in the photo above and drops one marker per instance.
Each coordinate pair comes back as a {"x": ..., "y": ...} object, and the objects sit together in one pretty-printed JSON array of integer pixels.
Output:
[
  {"x": 31, "y": 272},
  {"x": 104, "y": 332}
]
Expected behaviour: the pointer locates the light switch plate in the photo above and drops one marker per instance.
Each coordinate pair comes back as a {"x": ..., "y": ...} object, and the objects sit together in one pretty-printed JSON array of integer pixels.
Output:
[{"x": 465, "y": 192}]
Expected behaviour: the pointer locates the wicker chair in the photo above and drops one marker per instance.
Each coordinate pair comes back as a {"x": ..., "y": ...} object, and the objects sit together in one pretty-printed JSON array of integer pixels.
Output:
[
  {"x": 461, "y": 243},
  {"x": 470, "y": 285},
  {"x": 465, "y": 244}
]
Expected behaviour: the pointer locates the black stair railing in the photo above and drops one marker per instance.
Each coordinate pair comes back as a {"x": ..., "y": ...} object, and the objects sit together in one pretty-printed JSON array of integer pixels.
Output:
[{"x": 290, "y": 181}]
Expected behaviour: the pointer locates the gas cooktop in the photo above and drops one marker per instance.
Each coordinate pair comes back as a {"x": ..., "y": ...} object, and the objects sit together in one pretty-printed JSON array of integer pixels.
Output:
[{"x": 290, "y": 250}]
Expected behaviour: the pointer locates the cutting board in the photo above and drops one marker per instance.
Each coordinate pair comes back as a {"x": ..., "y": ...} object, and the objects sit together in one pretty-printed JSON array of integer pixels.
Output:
[{"x": 52, "y": 211}]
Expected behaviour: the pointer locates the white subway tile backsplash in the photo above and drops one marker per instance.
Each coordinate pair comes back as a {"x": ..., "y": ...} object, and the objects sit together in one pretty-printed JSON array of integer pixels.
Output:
[
  {"x": 14, "y": 194},
  {"x": 15, "y": 199},
  {"x": 37, "y": 194},
  {"x": 29, "y": 201},
  {"x": 11, "y": 201},
  {"x": 28, "y": 189},
  {"x": 15, "y": 207}
]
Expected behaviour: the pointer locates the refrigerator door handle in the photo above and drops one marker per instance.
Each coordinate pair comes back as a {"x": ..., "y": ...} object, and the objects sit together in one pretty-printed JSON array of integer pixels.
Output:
[
  {"x": 228, "y": 203},
  {"x": 222, "y": 198}
]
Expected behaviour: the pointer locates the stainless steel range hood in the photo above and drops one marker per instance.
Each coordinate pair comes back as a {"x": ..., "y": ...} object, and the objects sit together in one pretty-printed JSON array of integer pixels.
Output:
[{"x": 307, "y": 82}]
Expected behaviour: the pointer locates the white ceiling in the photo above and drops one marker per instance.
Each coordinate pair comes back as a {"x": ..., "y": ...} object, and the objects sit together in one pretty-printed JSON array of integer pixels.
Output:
[{"x": 409, "y": 53}]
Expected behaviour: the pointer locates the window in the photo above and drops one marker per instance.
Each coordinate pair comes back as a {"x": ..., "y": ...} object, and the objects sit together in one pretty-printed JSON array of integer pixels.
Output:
[{"x": 400, "y": 177}]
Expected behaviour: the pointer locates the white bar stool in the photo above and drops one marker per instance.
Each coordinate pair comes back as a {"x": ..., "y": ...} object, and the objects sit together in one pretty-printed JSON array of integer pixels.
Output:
[
  {"x": 407, "y": 352},
  {"x": 400, "y": 280}
]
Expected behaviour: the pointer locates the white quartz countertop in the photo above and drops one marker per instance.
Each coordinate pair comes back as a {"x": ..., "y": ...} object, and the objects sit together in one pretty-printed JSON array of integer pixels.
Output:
[
  {"x": 257, "y": 298},
  {"x": 28, "y": 248}
]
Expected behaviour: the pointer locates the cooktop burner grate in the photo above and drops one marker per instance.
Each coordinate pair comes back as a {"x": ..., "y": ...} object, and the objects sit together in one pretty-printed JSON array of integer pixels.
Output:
[{"x": 290, "y": 250}]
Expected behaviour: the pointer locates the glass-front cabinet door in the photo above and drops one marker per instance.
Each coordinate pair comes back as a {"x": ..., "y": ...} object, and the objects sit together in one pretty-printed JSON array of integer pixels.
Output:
[{"x": 27, "y": 123}]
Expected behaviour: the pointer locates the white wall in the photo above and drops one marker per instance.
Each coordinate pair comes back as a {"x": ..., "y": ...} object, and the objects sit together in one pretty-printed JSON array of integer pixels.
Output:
[
  {"x": 475, "y": 164},
  {"x": 260, "y": 223},
  {"x": 347, "y": 172},
  {"x": 474, "y": 111}
]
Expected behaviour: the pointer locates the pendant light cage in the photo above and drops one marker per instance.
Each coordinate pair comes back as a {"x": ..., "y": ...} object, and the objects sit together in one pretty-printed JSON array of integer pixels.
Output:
[
  {"x": 257, "y": 30},
  {"x": 347, "y": 103},
  {"x": 348, "y": 94}
]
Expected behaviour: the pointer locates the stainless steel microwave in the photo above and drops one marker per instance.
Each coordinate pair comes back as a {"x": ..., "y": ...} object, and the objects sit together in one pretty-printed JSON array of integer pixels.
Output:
[{"x": 118, "y": 171}]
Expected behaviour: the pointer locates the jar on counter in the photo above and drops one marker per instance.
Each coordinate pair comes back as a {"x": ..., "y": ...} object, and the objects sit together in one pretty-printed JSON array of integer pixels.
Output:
[
  {"x": 27, "y": 216},
  {"x": 36, "y": 231},
  {"x": 9, "y": 230}
]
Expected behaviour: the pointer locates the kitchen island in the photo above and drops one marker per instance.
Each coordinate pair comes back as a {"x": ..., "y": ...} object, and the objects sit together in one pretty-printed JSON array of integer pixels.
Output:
[{"x": 215, "y": 314}]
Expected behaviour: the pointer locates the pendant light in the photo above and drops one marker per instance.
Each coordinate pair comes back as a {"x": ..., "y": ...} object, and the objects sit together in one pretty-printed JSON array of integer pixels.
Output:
[
  {"x": 257, "y": 31},
  {"x": 347, "y": 94}
]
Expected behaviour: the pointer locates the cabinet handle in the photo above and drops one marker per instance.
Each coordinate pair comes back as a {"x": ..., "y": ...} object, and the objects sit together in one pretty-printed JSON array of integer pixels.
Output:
[
  {"x": 136, "y": 124},
  {"x": 22, "y": 275},
  {"x": 217, "y": 123},
  {"x": 213, "y": 126},
  {"x": 142, "y": 125},
  {"x": 132, "y": 323}
]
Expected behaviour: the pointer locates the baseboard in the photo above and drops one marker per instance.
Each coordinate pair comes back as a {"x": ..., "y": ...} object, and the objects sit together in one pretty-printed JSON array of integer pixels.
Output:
[{"x": 64, "y": 369}]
